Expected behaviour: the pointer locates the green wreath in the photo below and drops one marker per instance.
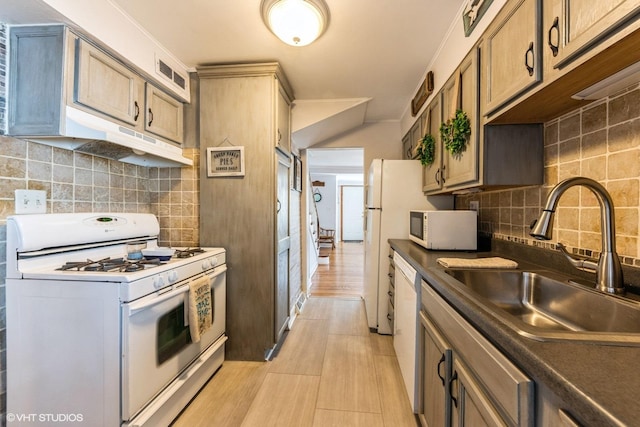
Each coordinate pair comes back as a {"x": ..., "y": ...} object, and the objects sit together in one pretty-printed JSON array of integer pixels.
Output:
[
  {"x": 455, "y": 133},
  {"x": 426, "y": 150}
]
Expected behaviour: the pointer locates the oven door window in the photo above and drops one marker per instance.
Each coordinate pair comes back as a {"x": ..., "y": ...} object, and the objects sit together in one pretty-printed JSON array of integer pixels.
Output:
[{"x": 172, "y": 334}]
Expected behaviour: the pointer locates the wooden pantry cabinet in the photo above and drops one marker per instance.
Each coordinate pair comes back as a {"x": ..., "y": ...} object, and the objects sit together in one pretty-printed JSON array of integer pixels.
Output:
[{"x": 248, "y": 105}]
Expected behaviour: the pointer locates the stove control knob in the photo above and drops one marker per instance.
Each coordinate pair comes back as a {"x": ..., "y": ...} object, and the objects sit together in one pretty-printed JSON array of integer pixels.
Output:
[
  {"x": 214, "y": 261},
  {"x": 206, "y": 264},
  {"x": 158, "y": 282},
  {"x": 173, "y": 276}
]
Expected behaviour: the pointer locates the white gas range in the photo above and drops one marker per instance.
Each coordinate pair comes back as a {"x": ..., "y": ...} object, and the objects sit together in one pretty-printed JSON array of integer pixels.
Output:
[{"x": 96, "y": 334}]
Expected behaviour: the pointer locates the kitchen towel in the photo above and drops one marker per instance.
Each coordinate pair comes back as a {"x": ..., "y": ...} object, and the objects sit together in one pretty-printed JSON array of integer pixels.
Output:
[
  {"x": 492, "y": 262},
  {"x": 200, "y": 307}
]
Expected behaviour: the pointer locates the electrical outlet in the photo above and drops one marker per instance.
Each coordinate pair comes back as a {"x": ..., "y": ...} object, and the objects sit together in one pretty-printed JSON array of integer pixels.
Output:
[
  {"x": 30, "y": 201},
  {"x": 474, "y": 205}
]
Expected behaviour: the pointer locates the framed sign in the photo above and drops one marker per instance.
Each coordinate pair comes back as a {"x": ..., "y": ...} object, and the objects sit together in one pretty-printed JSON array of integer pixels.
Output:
[
  {"x": 472, "y": 13},
  {"x": 225, "y": 161}
]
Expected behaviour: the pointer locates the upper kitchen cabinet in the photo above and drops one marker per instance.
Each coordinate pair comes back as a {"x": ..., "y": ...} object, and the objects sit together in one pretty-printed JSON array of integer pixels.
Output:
[
  {"x": 582, "y": 43},
  {"x": 163, "y": 114},
  {"x": 460, "y": 92},
  {"x": 495, "y": 156},
  {"x": 431, "y": 180},
  {"x": 578, "y": 25},
  {"x": 248, "y": 105},
  {"x": 64, "y": 90},
  {"x": 511, "y": 53},
  {"x": 105, "y": 85},
  {"x": 283, "y": 119}
]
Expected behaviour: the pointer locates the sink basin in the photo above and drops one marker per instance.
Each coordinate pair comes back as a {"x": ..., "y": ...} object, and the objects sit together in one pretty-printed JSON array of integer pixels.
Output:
[{"x": 546, "y": 306}]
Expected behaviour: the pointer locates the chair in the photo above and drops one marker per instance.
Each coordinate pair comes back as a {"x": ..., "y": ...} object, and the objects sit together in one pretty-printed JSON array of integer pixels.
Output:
[{"x": 326, "y": 235}]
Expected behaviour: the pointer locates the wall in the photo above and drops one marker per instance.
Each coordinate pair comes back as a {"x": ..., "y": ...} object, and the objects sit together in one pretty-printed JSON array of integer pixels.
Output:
[
  {"x": 327, "y": 207},
  {"x": 600, "y": 141}
]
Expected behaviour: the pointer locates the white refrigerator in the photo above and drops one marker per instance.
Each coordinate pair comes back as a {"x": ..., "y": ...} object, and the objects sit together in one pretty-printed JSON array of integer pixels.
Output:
[{"x": 394, "y": 187}]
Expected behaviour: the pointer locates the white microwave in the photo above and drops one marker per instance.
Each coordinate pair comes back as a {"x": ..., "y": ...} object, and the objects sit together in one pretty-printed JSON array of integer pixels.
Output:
[{"x": 444, "y": 230}]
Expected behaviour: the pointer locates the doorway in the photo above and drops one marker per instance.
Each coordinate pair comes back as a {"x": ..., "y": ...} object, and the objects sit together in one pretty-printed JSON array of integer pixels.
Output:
[{"x": 352, "y": 213}]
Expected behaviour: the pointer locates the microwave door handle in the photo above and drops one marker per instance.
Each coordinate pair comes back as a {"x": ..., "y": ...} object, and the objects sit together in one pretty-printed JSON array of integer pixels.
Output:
[{"x": 147, "y": 302}]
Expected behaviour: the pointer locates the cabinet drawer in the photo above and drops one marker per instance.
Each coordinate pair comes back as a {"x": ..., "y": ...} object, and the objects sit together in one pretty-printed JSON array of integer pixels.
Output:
[{"x": 511, "y": 391}]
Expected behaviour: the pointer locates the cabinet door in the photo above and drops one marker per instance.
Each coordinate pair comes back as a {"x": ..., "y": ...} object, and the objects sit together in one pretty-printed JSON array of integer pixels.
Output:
[
  {"x": 583, "y": 23},
  {"x": 283, "y": 243},
  {"x": 471, "y": 407},
  {"x": 283, "y": 137},
  {"x": 163, "y": 115},
  {"x": 431, "y": 173},
  {"x": 511, "y": 54},
  {"x": 416, "y": 137},
  {"x": 462, "y": 169},
  {"x": 406, "y": 146},
  {"x": 436, "y": 373},
  {"x": 105, "y": 85}
]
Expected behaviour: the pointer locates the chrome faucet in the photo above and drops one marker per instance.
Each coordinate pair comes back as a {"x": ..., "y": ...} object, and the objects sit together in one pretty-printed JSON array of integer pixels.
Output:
[{"x": 608, "y": 269}]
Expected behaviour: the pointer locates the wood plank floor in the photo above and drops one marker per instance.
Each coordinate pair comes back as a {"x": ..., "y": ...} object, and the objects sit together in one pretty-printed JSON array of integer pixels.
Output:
[
  {"x": 344, "y": 275},
  {"x": 330, "y": 371}
]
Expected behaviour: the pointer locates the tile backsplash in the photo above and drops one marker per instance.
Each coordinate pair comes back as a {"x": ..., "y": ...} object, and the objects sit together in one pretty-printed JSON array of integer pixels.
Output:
[{"x": 599, "y": 141}]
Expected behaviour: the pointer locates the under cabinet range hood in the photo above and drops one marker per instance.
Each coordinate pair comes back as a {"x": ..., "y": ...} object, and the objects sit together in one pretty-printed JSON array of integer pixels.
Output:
[{"x": 87, "y": 133}]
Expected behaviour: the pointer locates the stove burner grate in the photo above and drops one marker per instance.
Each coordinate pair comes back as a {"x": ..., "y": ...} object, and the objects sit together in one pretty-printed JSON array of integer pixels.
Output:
[
  {"x": 110, "y": 264},
  {"x": 189, "y": 252}
]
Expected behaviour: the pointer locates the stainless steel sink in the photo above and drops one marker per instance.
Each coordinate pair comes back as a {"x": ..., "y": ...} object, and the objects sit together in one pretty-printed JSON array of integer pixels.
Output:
[{"x": 545, "y": 306}]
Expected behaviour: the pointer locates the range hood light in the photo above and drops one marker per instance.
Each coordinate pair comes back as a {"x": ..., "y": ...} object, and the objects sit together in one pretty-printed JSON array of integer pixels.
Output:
[
  {"x": 139, "y": 152},
  {"x": 612, "y": 84}
]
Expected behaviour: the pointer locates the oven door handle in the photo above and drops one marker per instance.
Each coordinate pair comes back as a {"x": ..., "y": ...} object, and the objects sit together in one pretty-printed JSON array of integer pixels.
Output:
[
  {"x": 150, "y": 301},
  {"x": 147, "y": 302}
]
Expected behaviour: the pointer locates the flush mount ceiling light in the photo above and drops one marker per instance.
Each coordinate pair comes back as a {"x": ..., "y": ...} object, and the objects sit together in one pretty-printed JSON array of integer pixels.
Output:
[{"x": 295, "y": 22}]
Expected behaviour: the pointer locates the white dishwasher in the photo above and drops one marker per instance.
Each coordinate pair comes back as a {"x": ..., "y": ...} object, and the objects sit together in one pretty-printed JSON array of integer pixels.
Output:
[{"x": 404, "y": 327}]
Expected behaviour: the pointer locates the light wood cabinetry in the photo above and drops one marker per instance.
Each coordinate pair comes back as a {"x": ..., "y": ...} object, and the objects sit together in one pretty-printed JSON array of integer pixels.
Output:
[
  {"x": 511, "y": 53},
  {"x": 52, "y": 67},
  {"x": 583, "y": 42},
  {"x": 461, "y": 92},
  {"x": 244, "y": 105},
  {"x": 580, "y": 24},
  {"x": 480, "y": 386},
  {"x": 163, "y": 114},
  {"x": 411, "y": 140},
  {"x": 431, "y": 180},
  {"x": 105, "y": 85}
]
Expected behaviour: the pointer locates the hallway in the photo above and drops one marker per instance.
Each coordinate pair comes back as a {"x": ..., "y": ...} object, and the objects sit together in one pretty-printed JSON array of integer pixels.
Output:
[
  {"x": 344, "y": 275},
  {"x": 330, "y": 371}
]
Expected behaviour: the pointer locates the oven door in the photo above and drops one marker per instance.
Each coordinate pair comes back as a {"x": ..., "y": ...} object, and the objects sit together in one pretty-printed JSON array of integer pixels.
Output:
[{"x": 157, "y": 344}]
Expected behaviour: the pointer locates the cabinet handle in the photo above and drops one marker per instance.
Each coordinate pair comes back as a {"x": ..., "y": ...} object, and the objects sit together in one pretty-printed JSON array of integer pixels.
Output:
[
  {"x": 454, "y": 377},
  {"x": 389, "y": 317},
  {"x": 279, "y": 136},
  {"x": 279, "y": 206},
  {"x": 442, "y": 174},
  {"x": 438, "y": 176},
  {"x": 527, "y": 54},
  {"x": 442, "y": 359},
  {"x": 137, "y": 111},
  {"x": 554, "y": 47},
  {"x": 150, "y": 117}
]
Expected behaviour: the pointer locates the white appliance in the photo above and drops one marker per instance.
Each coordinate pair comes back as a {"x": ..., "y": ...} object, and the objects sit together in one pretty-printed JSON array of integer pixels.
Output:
[
  {"x": 98, "y": 335},
  {"x": 394, "y": 187},
  {"x": 444, "y": 230},
  {"x": 405, "y": 325}
]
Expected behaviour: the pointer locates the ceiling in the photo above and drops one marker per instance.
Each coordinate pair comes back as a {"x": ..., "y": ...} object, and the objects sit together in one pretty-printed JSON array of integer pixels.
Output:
[{"x": 378, "y": 49}]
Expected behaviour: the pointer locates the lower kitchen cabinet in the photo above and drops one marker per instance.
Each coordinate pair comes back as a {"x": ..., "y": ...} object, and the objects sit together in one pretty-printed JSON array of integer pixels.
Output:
[{"x": 466, "y": 381}]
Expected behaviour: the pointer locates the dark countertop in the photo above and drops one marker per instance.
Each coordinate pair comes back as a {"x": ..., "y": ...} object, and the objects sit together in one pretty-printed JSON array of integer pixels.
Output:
[{"x": 598, "y": 384}]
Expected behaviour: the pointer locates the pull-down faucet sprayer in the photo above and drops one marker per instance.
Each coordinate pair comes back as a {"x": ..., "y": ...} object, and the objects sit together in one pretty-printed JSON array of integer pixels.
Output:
[{"x": 608, "y": 268}]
